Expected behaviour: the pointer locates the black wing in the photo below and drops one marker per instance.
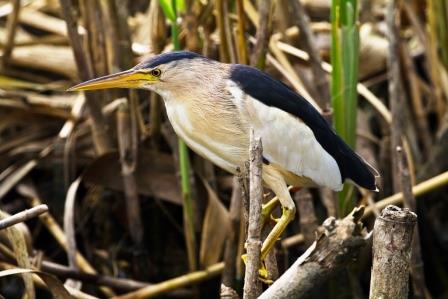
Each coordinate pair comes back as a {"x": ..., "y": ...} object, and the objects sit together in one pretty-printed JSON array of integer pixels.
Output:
[{"x": 271, "y": 92}]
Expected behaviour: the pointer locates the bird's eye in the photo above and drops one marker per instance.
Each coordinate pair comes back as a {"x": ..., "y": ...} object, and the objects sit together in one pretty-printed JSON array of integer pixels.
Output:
[{"x": 156, "y": 72}]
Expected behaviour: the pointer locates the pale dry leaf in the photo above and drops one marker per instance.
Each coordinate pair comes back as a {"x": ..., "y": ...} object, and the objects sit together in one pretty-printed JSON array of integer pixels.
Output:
[
  {"x": 69, "y": 229},
  {"x": 17, "y": 239},
  {"x": 54, "y": 285},
  {"x": 215, "y": 229}
]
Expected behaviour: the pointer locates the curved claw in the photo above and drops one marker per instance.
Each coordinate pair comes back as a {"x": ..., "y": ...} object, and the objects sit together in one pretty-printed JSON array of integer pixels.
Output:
[
  {"x": 263, "y": 273},
  {"x": 275, "y": 219}
]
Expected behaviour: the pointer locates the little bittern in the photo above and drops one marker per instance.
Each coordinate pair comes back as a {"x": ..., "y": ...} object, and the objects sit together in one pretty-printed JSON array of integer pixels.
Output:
[{"x": 213, "y": 105}]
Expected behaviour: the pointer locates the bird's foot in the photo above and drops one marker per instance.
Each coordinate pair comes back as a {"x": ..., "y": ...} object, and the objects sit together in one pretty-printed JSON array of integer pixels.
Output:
[
  {"x": 267, "y": 209},
  {"x": 282, "y": 222},
  {"x": 263, "y": 273}
]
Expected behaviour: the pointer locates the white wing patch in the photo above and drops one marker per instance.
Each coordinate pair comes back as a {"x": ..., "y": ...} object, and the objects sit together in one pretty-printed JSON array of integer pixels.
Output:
[{"x": 287, "y": 141}]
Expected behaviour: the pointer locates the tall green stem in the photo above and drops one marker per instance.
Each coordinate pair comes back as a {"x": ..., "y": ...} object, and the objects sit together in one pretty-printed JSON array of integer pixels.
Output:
[
  {"x": 344, "y": 58},
  {"x": 184, "y": 165},
  {"x": 170, "y": 10}
]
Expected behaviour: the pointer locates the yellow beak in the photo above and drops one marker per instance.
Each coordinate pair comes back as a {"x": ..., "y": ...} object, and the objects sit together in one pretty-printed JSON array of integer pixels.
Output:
[{"x": 127, "y": 79}]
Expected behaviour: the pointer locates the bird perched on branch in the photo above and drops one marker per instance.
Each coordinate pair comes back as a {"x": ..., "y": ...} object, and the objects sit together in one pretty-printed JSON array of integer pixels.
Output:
[{"x": 212, "y": 106}]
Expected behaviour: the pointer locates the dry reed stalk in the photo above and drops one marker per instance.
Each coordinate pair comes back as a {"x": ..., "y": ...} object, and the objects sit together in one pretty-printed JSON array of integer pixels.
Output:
[
  {"x": 264, "y": 29},
  {"x": 23, "y": 216},
  {"x": 422, "y": 188},
  {"x": 243, "y": 56},
  {"x": 224, "y": 47},
  {"x": 42, "y": 21},
  {"x": 128, "y": 160},
  {"x": 231, "y": 249},
  {"x": 118, "y": 47},
  {"x": 100, "y": 133},
  {"x": 308, "y": 220},
  {"x": 401, "y": 178},
  {"x": 174, "y": 283},
  {"x": 423, "y": 131},
  {"x": 53, "y": 227},
  {"x": 64, "y": 272},
  {"x": 433, "y": 61},
  {"x": 11, "y": 29},
  {"x": 157, "y": 40},
  {"x": 320, "y": 80},
  {"x": 416, "y": 265}
]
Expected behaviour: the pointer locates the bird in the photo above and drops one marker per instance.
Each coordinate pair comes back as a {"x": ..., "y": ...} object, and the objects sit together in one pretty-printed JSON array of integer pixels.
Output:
[{"x": 213, "y": 106}]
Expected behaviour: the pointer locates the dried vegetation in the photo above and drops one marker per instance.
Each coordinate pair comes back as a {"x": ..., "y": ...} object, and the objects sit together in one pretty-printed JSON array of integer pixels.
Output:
[{"x": 107, "y": 163}]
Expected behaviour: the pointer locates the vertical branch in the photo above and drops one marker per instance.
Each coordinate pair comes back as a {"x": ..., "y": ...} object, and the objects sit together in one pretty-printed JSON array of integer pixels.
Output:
[
  {"x": 308, "y": 220},
  {"x": 433, "y": 57},
  {"x": 395, "y": 89},
  {"x": 241, "y": 29},
  {"x": 417, "y": 267},
  {"x": 69, "y": 229},
  {"x": 225, "y": 48},
  {"x": 231, "y": 249},
  {"x": 11, "y": 28},
  {"x": 401, "y": 179},
  {"x": 157, "y": 27},
  {"x": 184, "y": 167},
  {"x": 243, "y": 181},
  {"x": 423, "y": 131},
  {"x": 252, "y": 286},
  {"x": 228, "y": 33},
  {"x": 392, "y": 238},
  {"x": 128, "y": 161},
  {"x": 307, "y": 40},
  {"x": 119, "y": 57},
  {"x": 101, "y": 137},
  {"x": 258, "y": 57}
]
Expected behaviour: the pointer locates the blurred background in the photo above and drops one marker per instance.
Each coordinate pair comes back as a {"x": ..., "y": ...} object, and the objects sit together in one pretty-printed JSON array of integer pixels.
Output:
[{"x": 109, "y": 165}]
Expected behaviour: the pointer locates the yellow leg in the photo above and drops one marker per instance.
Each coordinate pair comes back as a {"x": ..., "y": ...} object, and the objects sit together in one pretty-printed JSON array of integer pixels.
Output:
[
  {"x": 268, "y": 208},
  {"x": 275, "y": 181},
  {"x": 276, "y": 232}
]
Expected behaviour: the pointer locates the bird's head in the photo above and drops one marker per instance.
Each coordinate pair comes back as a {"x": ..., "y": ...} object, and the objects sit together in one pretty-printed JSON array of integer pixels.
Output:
[{"x": 159, "y": 73}]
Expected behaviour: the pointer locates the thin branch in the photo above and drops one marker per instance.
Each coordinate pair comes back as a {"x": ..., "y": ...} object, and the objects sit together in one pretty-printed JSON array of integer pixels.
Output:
[
  {"x": 417, "y": 267},
  {"x": 28, "y": 191},
  {"x": 240, "y": 34},
  {"x": 402, "y": 180},
  {"x": 258, "y": 57},
  {"x": 128, "y": 159},
  {"x": 395, "y": 88},
  {"x": 231, "y": 249},
  {"x": 101, "y": 137},
  {"x": 224, "y": 47},
  {"x": 175, "y": 283},
  {"x": 11, "y": 29},
  {"x": 23, "y": 216},
  {"x": 420, "y": 189},
  {"x": 308, "y": 220},
  {"x": 307, "y": 40},
  {"x": 64, "y": 272},
  {"x": 252, "y": 285}
]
